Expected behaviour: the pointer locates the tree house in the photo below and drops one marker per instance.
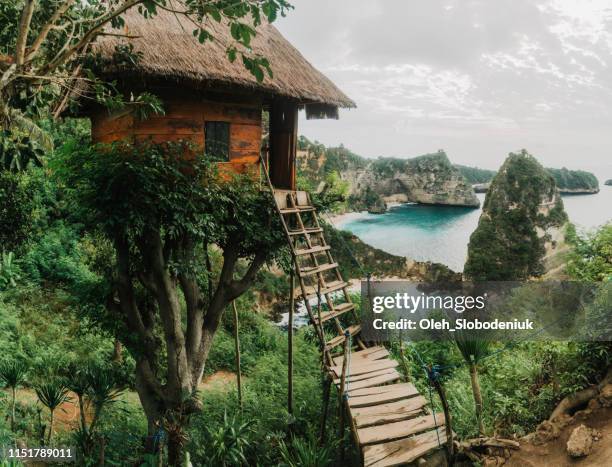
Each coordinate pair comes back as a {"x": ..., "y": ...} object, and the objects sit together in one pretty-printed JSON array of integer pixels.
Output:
[{"x": 215, "y": 104}]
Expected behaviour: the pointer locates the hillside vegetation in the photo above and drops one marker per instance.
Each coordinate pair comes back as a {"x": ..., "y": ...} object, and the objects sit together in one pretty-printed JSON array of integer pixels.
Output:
[
  {"x": 475, "y": 175},
  {"x": 574, "y": 181}
]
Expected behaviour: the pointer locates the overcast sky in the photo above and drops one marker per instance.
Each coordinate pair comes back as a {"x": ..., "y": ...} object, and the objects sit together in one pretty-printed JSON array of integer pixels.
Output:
[{"x": 478, "y": 78}]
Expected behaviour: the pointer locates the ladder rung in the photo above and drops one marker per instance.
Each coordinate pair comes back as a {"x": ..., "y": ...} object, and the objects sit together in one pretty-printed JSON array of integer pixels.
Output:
[
  {"x": 312, "y": 290},
  {"x": 317, "y": 269},
  {"x": 313, "y": 230},
  {"x": 338, "y": 310},
  {"x": 336, "y": 341},
  {"x": 314, "y": 249},
  {"x": 297, "y": 209}
]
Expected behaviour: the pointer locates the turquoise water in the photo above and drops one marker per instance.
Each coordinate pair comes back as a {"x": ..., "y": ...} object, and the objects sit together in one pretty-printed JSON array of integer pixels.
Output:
[{"x": 441, "y": 234}]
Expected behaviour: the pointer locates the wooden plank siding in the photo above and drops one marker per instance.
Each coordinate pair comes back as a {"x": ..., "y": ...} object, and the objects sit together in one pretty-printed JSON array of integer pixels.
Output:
[{"x": 184, "y": 120}]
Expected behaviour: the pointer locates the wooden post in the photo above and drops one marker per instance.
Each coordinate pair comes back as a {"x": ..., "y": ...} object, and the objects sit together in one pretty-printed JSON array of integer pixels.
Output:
[
  {"x": 237, "y": 345},
  {"x": 346, "y": 350},
  {"x": 290, "y": 344},
  {"x": 326, "y": 393},
  {"x": 447, "y": 420},
  {"x": 403, "y": 357}
]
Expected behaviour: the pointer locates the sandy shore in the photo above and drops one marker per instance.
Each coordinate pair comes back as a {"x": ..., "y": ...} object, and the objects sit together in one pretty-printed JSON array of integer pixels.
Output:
[{"x": 338, "y": 220}]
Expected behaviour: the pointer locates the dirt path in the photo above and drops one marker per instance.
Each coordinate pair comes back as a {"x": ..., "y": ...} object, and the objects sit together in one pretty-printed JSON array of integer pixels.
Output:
[{"x": 553, "y": 454}]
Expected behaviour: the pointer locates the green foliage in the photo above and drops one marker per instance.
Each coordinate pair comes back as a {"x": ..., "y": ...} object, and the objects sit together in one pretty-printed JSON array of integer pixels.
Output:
[
  {"x": 18, "y": 150},
  {"x": 13, "y": 372},
  {"x": 57, "y": 257},
  {"x": 475, "y": 175},
  {"x": 52, "y": 394},
  {"x": 9, "y": 271},
  {"x": 16, "y": 208},
  {"x": 574, "y": 179},
  {"x": 229, "y": 442},
  {"x": 332, "y": 195},
  {"x": 591, "y": 256},
  {"x": 127, "y": 189},
  {"x": 306, "y": 452},
  {"x": 264, "y": 354},
  {"x": 506, "y": 245},
  {"x": 472, "y": 350}
]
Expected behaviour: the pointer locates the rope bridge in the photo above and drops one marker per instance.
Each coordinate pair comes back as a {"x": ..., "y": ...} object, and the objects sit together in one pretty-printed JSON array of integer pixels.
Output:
[{"x": 390, "y": 421}]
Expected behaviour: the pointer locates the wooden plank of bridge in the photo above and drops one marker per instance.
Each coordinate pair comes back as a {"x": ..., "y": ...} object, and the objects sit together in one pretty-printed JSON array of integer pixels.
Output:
[
  {"x": 404, "y": 450},
  {"x": 398, "y": 430}
]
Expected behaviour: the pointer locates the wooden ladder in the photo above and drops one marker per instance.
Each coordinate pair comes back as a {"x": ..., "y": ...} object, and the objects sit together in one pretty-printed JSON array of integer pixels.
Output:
[
  {"x": 389, "y": 419},
  {"x": 317, "y": 273}
]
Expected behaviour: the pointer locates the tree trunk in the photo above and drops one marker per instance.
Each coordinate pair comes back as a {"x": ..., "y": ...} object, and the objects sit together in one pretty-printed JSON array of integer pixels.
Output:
[
  {"x": 82, "y": 413},
  {"x": 50, "y": 430},
  {"x": 477, "y": 397},
  {"x": 117, "y": 351},
  {"x": 151, "y": 409},
  {"x": 176, "y": 450},
  {"x": 13, "y": 391}
]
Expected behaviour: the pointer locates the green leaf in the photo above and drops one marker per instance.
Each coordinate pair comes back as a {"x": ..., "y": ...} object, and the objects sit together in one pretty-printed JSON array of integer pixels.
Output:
[
  {"x": 204, "y": 36},
  {"x": 231, "y": 54}
]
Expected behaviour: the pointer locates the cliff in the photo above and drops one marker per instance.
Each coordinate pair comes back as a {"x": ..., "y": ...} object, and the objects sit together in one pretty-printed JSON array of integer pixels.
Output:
[
  {"x": 372, "y": 183},
  {"x": 380, "y": 263},
  {"x": 520, "y": 233}
]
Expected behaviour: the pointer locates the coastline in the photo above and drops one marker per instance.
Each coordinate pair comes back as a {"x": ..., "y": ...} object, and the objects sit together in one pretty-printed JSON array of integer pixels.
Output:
[{"x": 338, "y": 220}]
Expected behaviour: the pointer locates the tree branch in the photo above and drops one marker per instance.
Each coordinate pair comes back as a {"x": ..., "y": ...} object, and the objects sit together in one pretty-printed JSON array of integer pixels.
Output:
[
  {"x": 238, "y": 287},
  {"x": 44, "y": 31},
  {"x": 89, "y": 36},
  {"x": 24, "y": 30}
]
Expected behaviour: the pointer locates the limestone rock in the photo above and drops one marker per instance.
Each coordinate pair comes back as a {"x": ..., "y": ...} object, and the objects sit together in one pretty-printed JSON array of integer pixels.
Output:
[
  {"x": 428, "y": 179},
  {"x": 580, "y": 442},
  {"x": 520, "y": 233}
]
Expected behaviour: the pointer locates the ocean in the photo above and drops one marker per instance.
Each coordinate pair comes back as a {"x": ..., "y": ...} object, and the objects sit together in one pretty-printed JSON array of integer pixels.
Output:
[{"x": 441, "y": 233}]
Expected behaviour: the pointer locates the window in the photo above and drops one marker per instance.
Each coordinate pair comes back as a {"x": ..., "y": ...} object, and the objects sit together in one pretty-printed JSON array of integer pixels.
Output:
[{"x": 216, "y": 140}]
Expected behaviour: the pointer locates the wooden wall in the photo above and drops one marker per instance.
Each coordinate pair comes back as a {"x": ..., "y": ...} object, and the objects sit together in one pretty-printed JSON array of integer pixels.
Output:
[{"x": 184, "y": 120}]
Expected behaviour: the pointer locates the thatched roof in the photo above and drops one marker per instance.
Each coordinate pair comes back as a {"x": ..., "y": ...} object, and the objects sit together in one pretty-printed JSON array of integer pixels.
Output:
[{"x": 169, "y": 51}]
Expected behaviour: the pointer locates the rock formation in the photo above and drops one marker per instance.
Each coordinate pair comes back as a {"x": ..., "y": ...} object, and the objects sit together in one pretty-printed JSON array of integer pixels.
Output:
[
  {"x": 427, "y": 179},
  {"x": 373, "y": 183},
  {"x": 521, "y": 228}
]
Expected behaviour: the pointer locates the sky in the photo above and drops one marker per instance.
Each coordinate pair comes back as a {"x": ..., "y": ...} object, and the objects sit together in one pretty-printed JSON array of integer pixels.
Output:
[{"x": 477, "y": 78}]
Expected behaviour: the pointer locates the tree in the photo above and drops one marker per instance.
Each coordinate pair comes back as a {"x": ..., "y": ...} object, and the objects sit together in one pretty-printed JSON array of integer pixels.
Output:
[
  {"x": 52, "y": 394},
  {"x": 161, "y": 210},
  {"x": 472, "y": 352},
  {"x": 13, "y": 374},
  {"x": 591, "y": 255}
]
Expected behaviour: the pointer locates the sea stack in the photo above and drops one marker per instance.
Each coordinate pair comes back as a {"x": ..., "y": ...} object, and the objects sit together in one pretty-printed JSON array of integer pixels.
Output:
[{"x": 521, "y": 229}]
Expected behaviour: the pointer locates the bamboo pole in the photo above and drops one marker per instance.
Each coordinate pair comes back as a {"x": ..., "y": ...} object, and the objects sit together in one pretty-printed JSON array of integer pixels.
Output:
[
  {"x": 237, "y": 345},
  {"x": 290, "y": 344},
  {"x": 447, "y": 419},
  {"x": 342, "y": 390}
]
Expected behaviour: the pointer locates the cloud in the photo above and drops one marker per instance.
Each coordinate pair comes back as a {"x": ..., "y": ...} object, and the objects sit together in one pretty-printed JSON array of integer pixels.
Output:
[{"x": 476, "y": 77}]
